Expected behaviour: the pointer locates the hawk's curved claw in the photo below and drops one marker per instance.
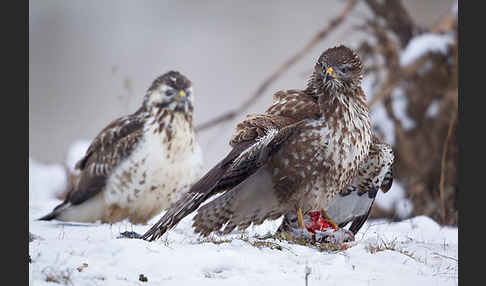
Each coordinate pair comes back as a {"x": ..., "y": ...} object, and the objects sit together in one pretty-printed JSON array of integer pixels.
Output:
[
  {"x": 337, "y": 236},
  {"x": 130, "y": 234}
]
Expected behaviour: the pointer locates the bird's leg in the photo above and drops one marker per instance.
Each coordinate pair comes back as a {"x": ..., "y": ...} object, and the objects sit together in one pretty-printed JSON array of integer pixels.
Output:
[{"x": 300, "y": 218}]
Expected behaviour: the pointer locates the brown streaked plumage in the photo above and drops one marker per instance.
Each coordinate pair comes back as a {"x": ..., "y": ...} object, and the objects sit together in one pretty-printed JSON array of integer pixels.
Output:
[
  {"x": 353, "y": 204},
  {"x": 140, "y": 163},
  {"x": 300, "y": 154}
]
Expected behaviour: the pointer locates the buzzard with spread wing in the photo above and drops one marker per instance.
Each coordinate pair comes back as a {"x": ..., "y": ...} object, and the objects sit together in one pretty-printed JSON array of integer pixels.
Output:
[{"x": 297, "y": 156}]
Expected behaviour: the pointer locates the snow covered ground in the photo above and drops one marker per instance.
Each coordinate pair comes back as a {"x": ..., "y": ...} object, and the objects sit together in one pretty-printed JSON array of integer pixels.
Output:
[{"x": 416, "y": 251}]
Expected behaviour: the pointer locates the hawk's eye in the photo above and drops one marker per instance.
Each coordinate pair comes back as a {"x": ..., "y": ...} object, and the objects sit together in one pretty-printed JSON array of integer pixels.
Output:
[
  {"x": 345, "y": 69},
  {"x": 169, "y": 92}
]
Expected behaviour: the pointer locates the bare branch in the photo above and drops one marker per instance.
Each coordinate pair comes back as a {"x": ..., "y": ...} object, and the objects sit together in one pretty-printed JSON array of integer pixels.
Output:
[
  {"x": 283, "y": 68},
  {"x": 443, "y": 163}
]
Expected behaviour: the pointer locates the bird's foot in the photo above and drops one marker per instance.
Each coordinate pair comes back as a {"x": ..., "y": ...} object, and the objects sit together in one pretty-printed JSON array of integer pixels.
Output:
[
  {"x": 299, "y": 234},
  {"x": 319, "y": 223},
  {"x": 334, "y": 236},
  {"x": 130, "y": 234},
  {"x": 318, "y": 230},
  {"x": 326, "y": 231}
]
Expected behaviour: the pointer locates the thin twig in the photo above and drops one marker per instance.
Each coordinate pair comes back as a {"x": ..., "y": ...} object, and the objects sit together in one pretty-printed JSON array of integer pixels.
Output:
[
  {"x": 431, "y": 206},
  {"x": 443, "y": 162},
  {"x": 283, "y": 68}
]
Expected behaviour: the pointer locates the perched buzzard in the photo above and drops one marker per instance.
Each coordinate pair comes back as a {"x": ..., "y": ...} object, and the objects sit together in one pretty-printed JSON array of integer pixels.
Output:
[
  {"x": 141, "y": 163},
  {"x": 354, "y": 204},
  {"x": 298, "y": 156}
]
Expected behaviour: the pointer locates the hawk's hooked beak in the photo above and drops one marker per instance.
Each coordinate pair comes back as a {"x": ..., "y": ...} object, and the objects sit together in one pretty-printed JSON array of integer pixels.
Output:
[
  {"x": 329, "y": 75},
  {"x": 181, "y": 94}
]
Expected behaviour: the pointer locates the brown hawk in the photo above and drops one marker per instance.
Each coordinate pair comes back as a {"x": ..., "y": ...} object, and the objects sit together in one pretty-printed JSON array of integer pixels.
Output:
[
  {"x": 354, "y": 204},
  {"x": 140, "y": 163},
  {"x": 297, "y": 156}
]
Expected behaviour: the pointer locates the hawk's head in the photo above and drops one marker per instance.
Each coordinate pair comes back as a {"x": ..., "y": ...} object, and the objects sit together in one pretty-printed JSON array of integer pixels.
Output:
[
  {"x": 337, "y": 69},
  {"x": 172, "y": 91}
]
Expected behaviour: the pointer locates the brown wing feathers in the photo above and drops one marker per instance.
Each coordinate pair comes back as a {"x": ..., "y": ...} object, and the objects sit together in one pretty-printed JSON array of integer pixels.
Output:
[
  {"x": 209, "y": 185},
  {"x": 227, "y": 174},
  {"x": 105, "y": 152},
  {"x": 248, "y": 155}
]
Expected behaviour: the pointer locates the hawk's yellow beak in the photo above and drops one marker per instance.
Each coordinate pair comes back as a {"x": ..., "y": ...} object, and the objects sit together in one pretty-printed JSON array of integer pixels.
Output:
[
  {"x": 330, "y": 72},
  {"x": 181, "y": 95}
]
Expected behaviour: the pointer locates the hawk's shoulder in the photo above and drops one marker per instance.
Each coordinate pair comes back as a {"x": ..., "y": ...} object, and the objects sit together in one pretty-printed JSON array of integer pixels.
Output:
[
  {"x": 257, "y": 126},
  {"x": 296, "y": 104},
  {"x": 289, "y": 107},
  {"x": 118, "y": 135}
]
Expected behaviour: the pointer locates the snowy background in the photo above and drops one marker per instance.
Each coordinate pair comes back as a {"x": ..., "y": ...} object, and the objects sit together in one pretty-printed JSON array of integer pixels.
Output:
[{"x": 90, "y": 56}]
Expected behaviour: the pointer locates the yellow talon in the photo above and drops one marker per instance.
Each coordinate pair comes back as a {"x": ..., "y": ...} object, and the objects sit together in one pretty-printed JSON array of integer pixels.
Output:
[{"x": 300, "y": 218}]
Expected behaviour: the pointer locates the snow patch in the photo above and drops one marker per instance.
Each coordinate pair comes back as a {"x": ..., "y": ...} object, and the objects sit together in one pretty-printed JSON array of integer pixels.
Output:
[
  {"x": 423, "y": 44},
  {"x": 399, "y": 105},
  {"x": 423, "y": 253},
  {"x": 433, "y": 109},
  {"x": 76, "y": 152},
  {"x": 395, "y": 200},
  {"x": 381, "y": 121},
  {"x": 367, "y": 85},
  {"x": 45, "y": 181}
]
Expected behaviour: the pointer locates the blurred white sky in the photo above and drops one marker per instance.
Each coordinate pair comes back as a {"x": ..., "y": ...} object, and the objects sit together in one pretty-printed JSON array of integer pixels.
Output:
[{"x": 91, "y": 61}]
